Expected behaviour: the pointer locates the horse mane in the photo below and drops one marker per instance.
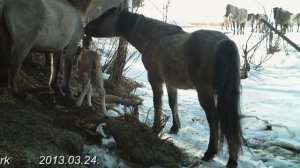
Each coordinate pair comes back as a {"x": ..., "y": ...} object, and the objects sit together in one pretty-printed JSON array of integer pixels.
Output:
[
  {"x": 128, "y": 20},
  {"x": 165, "y": 28},
  {"x": 81, "y": 5}
]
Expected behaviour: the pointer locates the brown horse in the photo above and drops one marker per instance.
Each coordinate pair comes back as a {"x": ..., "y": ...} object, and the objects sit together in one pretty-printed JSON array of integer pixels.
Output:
[
  {"x": 53, "y": 26},
  {"x": 205, "y": 60},
  {"x": 89, "y": 70}
]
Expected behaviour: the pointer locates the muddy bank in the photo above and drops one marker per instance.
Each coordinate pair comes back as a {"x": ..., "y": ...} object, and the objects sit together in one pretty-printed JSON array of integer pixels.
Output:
[
  {"x": 50, "y": 125},
  {"x": 26, "y": 134}
]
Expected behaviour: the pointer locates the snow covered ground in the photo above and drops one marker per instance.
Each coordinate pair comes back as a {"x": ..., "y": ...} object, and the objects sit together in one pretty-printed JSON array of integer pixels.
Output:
[{"x": 270, "y": 97}]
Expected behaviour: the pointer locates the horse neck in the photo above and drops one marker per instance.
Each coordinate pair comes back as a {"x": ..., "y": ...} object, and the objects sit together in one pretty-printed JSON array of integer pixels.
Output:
[
  {"x": 130, "y": 26},
  {"x": 145, "y": 31}
]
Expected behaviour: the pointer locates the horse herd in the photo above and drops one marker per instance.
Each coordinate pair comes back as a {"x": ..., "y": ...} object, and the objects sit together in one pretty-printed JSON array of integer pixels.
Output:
[{"x": 236, "y": 19}]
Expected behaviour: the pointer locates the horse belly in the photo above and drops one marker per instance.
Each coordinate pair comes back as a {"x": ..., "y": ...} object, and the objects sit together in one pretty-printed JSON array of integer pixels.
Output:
[
  {"x": 61, "y": 27},
  {"x": 173, "y": 63},
  {"x": 180, "y": 80}
]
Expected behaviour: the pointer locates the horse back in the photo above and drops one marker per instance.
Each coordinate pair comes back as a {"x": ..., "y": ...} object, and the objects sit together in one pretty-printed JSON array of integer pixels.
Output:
[
  {"x": 296, "y": 18},
  {"x": 42, "y": 24},
  {"x": 182, "y": 59},
  {"x": 20, "y": 17},
  {"x": 88, "y": 62},
  {"x": 59, "y": 16}
]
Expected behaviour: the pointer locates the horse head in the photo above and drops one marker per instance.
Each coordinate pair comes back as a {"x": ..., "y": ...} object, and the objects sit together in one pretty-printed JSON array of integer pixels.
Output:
[
  {"x": 276, "y": 12},
  {"x": 106, "y": 24},
  {"x": 228, "y": 10},
  {"x": 250, "y": 17}
]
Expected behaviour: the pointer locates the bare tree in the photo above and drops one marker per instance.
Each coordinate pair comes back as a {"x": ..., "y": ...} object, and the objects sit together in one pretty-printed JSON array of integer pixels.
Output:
[
  {"x": 118, "y": 64},
  {"x": 249, "y": 53},
  {"x": 166, "y": 10}
]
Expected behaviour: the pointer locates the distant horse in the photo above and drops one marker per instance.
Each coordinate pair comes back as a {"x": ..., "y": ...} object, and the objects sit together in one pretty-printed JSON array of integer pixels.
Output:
[
  {"x": 296, "y": 20},
  {"x": 227, "y": 22},
  {"x": 205, "y": 60},
  {"x": 251, "y": 20},
  {"x": 239, "y": 18},
  {"x": 48, "y": 26},
  {"x": 260, "y": 26},
  {"x": 282, "y": 17}
]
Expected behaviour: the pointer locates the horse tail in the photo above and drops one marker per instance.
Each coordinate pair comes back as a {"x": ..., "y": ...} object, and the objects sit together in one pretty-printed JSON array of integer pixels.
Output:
[
  {"x": 227, "y": 92},
  {"x": 5, "y": 46}
]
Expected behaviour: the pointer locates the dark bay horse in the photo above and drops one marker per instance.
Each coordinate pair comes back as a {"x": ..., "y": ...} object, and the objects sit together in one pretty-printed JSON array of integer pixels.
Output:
[
  {"x": 283, "y": 18},
  {"x": 260, "y": 26},
  {"x": 205, "y": 60},
  {"x": 239, "y": 18},
  {"x": 49, "y": 26},
  {"x": 251, "y": 20},
  {"x": 255, "y": 19}
]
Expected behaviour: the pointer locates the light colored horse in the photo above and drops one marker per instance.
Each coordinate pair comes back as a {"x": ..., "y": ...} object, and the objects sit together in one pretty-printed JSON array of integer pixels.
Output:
[
  {"x": 90, "y": 75},
  {"x": 283, "y": 18},
  {"x": 48, "y": 26},
  {"x": 205, "y": 60},
  {"x": 239, "y": 17},
  {"x": 296, "y": 20},
  {"x": 227, "y": 22}
]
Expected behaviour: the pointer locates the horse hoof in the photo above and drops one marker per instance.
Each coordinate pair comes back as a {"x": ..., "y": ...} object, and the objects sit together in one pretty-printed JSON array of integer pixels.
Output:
[
  {"x": 173, "y": 130},
  {"x": 231, "y": 163},
  {"x": 68, "y": 93},
  {"x": 77, "y": 105},
  {"x": 57, "y": 90},
  {"x": 207, "y": 156},
  {"x": 23, "y": 96}
]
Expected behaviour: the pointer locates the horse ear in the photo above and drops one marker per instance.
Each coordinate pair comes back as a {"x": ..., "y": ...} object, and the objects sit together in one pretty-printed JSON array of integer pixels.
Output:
[{"x": 120, "y": 8}]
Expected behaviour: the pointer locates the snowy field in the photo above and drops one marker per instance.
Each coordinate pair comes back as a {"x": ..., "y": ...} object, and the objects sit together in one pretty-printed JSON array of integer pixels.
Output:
[{"x": 270, "y": 99}]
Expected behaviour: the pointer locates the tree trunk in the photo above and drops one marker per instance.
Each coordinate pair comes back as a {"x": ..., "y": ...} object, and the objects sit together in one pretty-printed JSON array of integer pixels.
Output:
[{"x": 118, "y": 64}]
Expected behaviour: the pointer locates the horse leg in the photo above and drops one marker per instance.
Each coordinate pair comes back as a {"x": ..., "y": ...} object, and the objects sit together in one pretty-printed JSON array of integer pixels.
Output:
[
  {"x": 16, "y": 60},
  {"x": 156, "y": 84},
  {"x": 172, "y": 93},
  {"x": 3, "y": 74},
  {"x": 48, "y": 59},
  {"x": 237, "y": 28},
  {"x": 85, "y": 88},
  {"x": 101, "y": 91},
  {"x": 69, "y": 57},
  {"x": 89, "y": 96},
  {"x": 207, "y": 103},
  {"x": 233, "y": 152},
  {"x": 233, "y": 23},
  {"x": 242, "y": 28},
  {"x": 5, "y": 45},
  {"x": 55, "y": 66}
]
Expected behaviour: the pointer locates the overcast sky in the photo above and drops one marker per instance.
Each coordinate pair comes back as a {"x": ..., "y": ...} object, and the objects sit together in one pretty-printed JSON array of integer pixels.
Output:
[{"x": 212, "y": 10}]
